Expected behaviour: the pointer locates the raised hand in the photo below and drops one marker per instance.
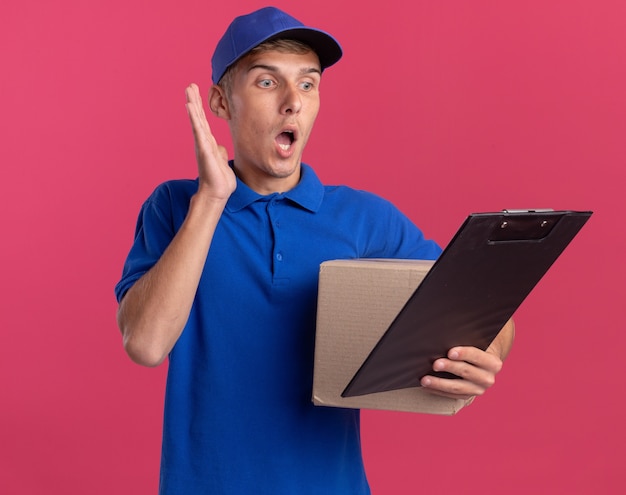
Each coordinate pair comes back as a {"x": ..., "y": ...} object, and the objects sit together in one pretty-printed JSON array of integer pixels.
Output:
[{"x": 217, "y": 179}]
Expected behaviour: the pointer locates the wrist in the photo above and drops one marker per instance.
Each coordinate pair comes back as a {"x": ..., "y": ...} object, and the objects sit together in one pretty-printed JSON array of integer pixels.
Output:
[
  {"x": 207, "y": 200},
  {"x": 204, "y": 208}
]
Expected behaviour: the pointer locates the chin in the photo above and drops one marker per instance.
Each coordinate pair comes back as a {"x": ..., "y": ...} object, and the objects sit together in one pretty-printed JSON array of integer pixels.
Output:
[{"x": 285, "y": 170}]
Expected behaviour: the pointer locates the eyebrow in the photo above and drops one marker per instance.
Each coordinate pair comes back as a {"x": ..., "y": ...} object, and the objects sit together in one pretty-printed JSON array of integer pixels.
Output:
[{"x": 273, "y": 68}]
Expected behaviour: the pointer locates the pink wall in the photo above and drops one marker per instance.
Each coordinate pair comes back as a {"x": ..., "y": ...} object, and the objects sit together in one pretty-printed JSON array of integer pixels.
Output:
[{"x": 443, "y": 107}]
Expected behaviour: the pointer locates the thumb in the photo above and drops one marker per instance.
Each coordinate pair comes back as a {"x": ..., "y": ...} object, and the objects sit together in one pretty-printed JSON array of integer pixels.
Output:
[{"x": 222, "y": 152}]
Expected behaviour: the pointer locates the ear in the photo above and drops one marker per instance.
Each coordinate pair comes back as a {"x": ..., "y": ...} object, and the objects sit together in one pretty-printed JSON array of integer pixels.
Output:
[{"x": 218, "y": 103}]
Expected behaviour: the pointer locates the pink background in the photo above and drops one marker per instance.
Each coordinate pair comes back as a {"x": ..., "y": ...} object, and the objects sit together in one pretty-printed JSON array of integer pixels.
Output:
[{"x": 443, "y": 107}]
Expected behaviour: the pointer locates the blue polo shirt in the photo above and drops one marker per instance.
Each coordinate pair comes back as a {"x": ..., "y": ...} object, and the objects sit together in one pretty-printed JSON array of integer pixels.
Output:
[{"x": 238, "y": 412}]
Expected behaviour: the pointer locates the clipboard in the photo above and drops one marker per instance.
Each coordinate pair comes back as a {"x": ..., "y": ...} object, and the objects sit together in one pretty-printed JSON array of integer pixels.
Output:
[{"x": 484, "y": 274}]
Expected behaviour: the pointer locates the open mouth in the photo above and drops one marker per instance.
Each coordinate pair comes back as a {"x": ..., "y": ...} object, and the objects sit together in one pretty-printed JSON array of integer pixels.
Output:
[{"x": 285, "y": 139}]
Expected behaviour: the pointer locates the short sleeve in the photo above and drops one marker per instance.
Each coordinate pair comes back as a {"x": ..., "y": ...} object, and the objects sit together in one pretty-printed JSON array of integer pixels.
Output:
[
  {"x": 393, "y": 235},
  {"x": 155, "y": 229}
]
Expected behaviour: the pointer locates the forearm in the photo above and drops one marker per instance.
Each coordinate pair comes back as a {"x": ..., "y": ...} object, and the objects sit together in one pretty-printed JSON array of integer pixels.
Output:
[
  {"x": 153, "y": 313},
  {"x": 501, "y": 345}
]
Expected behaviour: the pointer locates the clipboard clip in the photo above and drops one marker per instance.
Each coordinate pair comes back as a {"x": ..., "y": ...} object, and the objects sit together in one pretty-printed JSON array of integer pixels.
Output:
[
  {"x": 529, "y": 225},
  {"x": 536, "y": 210}
]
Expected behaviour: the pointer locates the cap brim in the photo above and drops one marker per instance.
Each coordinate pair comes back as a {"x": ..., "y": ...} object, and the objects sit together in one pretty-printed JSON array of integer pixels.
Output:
[{"x": 327, "y": 48}]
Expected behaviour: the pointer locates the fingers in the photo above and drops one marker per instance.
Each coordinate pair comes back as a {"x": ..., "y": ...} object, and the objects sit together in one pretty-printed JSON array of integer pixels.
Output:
[
  {"x": 462, "y": 361},
  {"x": 192, "y": 92},
  {"x": 206, "y": 146},
  {"x": 475, "y": 368},
  {"x": 195, "y": 110},
  {"x": 451, "y": 388}
]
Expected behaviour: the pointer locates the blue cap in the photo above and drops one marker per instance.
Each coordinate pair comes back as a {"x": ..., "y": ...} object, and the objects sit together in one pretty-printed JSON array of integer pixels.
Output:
[{"x": 249, "y": 31}]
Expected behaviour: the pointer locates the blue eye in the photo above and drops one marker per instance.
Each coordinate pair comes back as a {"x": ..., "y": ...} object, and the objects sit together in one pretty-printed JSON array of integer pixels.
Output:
[
  {"x": 307, "y": 86},
  {"x": 265, "y": 83}
]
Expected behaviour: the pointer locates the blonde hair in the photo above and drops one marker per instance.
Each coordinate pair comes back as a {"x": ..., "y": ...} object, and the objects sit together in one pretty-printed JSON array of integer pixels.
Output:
[{"x": 279, "y": 45}]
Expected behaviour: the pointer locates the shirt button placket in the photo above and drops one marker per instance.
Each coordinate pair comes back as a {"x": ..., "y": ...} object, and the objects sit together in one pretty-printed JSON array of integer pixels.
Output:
[{"x": 273, "y": 210}]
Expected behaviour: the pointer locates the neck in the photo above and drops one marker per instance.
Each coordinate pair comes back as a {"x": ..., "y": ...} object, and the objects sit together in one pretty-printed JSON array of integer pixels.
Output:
[{"x": 265, "y": 183}]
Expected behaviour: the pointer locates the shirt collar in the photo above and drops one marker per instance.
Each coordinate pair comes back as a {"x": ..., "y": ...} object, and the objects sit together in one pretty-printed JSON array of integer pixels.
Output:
[{"x": 308, "y": 193}]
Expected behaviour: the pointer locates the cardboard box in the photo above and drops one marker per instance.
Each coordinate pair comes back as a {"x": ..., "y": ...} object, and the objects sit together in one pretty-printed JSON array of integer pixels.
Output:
[{"x": 357, "y": 301}]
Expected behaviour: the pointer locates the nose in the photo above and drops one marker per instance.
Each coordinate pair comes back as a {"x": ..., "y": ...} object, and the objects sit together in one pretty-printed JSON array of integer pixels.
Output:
[{"x": 292, "y": 101}]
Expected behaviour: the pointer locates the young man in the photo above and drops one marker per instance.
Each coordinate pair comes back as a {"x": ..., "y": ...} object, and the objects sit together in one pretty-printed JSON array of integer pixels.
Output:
[{"x": 222, "y": 279}]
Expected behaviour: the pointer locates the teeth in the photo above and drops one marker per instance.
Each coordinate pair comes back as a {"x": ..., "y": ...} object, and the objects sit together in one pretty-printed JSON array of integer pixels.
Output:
[{"x": 284, "y": 147}]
